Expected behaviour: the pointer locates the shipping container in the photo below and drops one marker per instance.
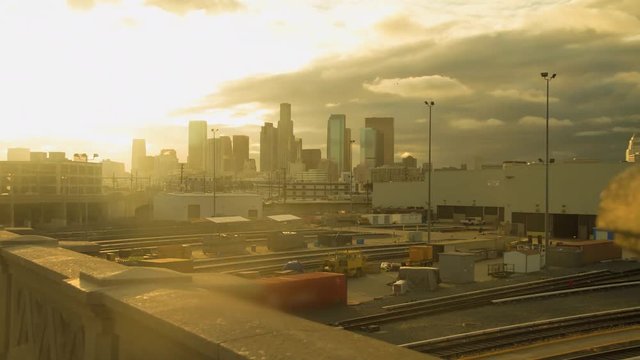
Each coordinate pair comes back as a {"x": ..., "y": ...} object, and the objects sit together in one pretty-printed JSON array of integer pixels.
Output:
[
  {"x": 594, "y": 251},
  {"x": 285, "y": 240},
  {"x": 457, "y": 267},
  {"x": 334, "y": 240},
  {"x": 304, "y": 291},
  {"x": 419, "y": 254}
]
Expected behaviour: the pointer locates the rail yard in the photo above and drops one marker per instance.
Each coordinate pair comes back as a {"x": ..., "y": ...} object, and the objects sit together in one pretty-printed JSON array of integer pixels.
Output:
[{"x": 505, "y": 316}]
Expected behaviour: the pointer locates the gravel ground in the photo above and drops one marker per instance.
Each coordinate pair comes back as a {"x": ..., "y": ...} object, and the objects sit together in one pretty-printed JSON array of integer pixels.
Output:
[{"x": 456, "y": 322}]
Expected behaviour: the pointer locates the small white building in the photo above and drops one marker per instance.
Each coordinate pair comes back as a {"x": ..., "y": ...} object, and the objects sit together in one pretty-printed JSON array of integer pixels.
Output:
[
  {"x": 189, "y": 206},
  {"x": 523, "y": 261}
]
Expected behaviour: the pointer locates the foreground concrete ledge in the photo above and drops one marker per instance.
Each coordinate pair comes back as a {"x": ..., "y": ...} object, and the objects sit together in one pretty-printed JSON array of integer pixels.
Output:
[
  {"x": 134, "y": 276},
  {"x": 220, "y": 326},
  {"x": 129, "y": 312},
  {"x": 19, "y": 240}
]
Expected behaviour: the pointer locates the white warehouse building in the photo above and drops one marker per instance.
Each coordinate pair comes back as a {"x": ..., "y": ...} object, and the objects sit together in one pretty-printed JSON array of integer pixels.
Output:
[
  {"x": 513, "y": 195},
  {"x": 189, "y": 206}
]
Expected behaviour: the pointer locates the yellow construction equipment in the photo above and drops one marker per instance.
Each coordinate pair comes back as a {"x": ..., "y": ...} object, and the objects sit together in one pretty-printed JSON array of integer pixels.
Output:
[{"x": 349, "y": 262}]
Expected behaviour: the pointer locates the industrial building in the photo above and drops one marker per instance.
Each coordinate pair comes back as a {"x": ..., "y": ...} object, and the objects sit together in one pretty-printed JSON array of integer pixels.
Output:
[
  {"x": 513, "y": 196},
  {"x": 50, "y": 192},
  {"x": 189, "y": 206}
]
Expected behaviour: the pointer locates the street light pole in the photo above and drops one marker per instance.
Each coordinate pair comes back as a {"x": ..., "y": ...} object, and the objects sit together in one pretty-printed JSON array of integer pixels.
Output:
[
  {"x": 547, "y": 78},
  {"x": 429, "y": 104},
  {"x": 213, "y": 131},
  {"x": 351, "y": 176}
]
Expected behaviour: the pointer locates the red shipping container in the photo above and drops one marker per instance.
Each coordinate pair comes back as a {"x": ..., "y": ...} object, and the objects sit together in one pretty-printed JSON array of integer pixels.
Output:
[{"x": 304, "y": 291}]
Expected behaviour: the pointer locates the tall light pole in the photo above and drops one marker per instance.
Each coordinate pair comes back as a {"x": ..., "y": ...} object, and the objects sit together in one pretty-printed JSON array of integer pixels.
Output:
[
  {"x": 214, "y": 131},
  {"x": 547, "y": 78},
  {"x": 351, "y": 176},
  {"x": 429, "y": 104}
]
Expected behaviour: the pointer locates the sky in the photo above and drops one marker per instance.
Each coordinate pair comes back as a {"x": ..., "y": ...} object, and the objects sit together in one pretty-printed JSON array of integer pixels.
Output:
[{"x": 88, "y": 76}]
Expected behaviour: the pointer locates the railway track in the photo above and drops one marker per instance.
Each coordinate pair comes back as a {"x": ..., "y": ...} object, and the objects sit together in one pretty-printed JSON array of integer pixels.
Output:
[
  {"x": 480, "y": 298},
  {"x": 309, "y": 258},
  {"x": 191, "y": 239},
  {"x": 484, "y": 341}
]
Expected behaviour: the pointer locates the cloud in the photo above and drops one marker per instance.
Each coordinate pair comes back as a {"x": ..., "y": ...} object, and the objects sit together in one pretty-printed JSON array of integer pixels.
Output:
[
  {"x": 535, "y": 96},
  {"x": 602, "y": 120},
  {"x": 471, "y": 124},
  {"x": 181, "y": 7},
  {"x": 399, "y": 25},
  {"x": 87, "y": 4},
  {"x": 433, "y": 87},
  {"x": 592, "y": 133},
  {"x": 540, "y": 121},
  {"x": 622, "y": 129}
]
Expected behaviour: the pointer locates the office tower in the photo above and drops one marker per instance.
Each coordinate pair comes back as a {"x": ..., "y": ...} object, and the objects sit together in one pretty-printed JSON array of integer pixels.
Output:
[
  {"x": 18, "y": 154},
  {"x": 285, "y": 136},
  {"x": 197, "y": 144},
  {"x": 384, "y": 126},
  {"x": 633, "y": 150},
  {"x": 240, "y": 151},
  {"x": 336, "y": 141},
  {"x": 138, "y": 153},
  {"x": 348, "y": 164},
  {"x": 409, "y": 162},
  {"x": 311, "y": 158},
  {"x": 369, "y": 147},
  {"x": 224, "y": 152},
  {"x": 296, "y": 154},
  {"x": 268, "y": 148}
]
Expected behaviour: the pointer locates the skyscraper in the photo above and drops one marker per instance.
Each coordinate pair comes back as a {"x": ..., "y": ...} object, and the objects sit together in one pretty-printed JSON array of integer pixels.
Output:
[
  {"x": 369, "y": 147},
  {"x": 268, "y": 148},
  {"x": 197, "y": 144},
  {"x": 384, "y": 126},
  {"x": 336, "y": 140},
  {"x": 224, "y": 152},
  {"x": 633, "y": 150},
  {"x": 240, "y": 151},
  {"x": 347, "y": 150},
  {"x": 285, "y": 136},
  {"x": 138, "y": 154},
  {"x": 311, "y": 158}
]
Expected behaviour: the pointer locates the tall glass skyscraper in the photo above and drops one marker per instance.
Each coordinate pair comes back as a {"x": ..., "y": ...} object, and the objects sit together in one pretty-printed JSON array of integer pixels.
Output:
[
  {"x": 197, "y": 144},
  {"x": 338, "y": 142},
  {"x": 369, "y": 147}
]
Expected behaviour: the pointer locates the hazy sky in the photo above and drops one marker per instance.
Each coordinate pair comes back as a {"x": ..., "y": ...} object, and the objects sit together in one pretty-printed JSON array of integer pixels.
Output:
[{"x": 90, "y": 75}]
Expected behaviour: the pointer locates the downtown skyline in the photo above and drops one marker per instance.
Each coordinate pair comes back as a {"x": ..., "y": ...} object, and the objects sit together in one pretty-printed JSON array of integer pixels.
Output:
[{"x": 89, "y": 76}]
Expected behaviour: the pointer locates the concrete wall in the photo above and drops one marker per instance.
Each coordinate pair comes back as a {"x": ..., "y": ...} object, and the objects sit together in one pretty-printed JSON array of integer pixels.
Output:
[
  {"x": 59, "y": 304},
  {"x": 516, "y": 188}
]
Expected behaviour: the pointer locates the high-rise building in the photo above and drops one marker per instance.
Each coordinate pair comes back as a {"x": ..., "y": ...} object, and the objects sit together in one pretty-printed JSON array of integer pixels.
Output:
[
  {"x": 240, "y": 151},
  {"x": 138, "y": 153},
  {"x": 336, "y": 140},
  {"x": 18, "y": 154},
  {"x": 197, "y": 144},
  {"x": 285, "y": 136},
  {"x": 409, "y": 161},
  {"x": 224, "y": 152},
  {"x": 633, "y": 150},
  {"x": 384, "y": 126},
  {"x": 369, "y": 147},
  {"x": 311, "y": 158},
  {"x": 347, "y": 150},
  {"x": 268, "y": 148}
]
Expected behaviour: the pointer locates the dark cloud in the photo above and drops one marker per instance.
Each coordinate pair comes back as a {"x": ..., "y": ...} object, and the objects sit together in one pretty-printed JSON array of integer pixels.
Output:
[
  {"x": 182, "y": 7},
  {"x": 499, "y": 114}
]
